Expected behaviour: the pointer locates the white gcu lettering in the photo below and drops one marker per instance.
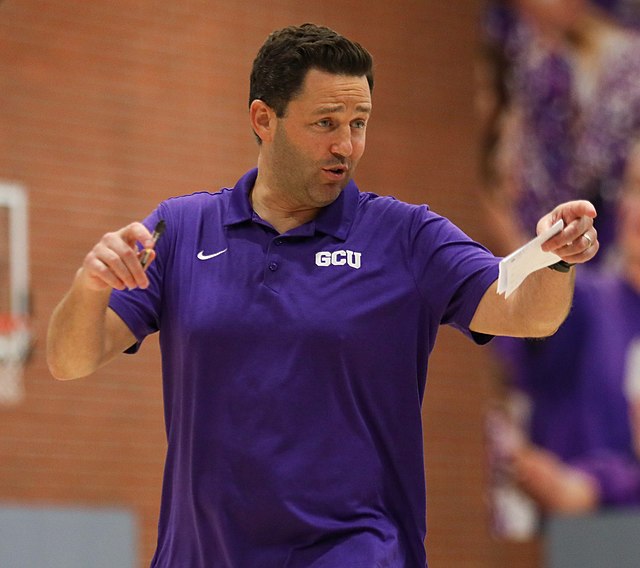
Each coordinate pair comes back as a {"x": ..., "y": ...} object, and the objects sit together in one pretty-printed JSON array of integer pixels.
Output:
[
  {"x": 323, "y": 258},
  {"x": 339, "y": 258},
  {"x": 353, "y": 259}
]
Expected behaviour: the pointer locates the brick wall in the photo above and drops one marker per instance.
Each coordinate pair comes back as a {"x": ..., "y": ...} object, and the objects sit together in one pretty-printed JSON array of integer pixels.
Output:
[{"x": 107, "y": 107}]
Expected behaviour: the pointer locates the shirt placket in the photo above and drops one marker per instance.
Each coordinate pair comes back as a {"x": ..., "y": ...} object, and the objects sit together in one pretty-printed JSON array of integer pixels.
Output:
[{"x": 275, "y": 263}]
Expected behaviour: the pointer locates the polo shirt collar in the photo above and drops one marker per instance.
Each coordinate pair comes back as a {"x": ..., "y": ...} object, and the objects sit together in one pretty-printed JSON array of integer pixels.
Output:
[{"x": 335, "y": 219}]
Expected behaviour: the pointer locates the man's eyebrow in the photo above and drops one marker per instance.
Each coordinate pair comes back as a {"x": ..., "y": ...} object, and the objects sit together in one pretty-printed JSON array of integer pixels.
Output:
[{"x": 341, "y": 108}]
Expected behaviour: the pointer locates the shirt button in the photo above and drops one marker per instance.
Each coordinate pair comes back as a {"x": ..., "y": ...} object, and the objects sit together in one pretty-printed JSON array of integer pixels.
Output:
[
  {"x": 279, "y": 242},
  {"x": 273, "y": 266}
]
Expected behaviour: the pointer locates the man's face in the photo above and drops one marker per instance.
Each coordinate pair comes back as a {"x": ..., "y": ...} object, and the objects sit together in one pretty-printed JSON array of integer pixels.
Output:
[{"x": 319, "y": 141}]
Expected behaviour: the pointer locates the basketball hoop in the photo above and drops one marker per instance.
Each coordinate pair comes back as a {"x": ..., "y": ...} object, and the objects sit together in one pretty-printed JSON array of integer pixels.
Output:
[
  {"x": 15, "y": 334},
  {"x": 15, "y": 347}
]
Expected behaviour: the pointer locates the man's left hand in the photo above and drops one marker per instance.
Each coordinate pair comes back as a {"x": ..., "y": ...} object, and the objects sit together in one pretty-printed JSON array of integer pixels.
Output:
[{"x": 578, "y": 241}]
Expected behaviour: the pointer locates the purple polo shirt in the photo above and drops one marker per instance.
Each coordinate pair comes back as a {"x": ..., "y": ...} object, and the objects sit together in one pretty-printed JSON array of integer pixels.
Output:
[{"x": 294, "y": 367}]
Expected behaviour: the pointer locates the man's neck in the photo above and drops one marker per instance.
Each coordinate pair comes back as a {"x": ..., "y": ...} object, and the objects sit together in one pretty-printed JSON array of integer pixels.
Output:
[{"x": 276, "y": 210}]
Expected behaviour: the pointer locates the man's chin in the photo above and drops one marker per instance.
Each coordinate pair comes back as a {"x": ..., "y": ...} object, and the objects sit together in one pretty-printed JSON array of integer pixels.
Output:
[{"x": 328, "y": 193}]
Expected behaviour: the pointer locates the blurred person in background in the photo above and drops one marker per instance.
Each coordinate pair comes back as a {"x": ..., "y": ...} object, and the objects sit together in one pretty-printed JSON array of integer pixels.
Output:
[
  {"x": 567, "y": 434},
  {"x": 567, "y": 74}
]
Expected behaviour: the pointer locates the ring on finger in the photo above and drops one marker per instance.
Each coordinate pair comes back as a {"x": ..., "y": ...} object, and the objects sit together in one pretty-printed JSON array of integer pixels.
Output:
[{"x": 589, "y": 241}]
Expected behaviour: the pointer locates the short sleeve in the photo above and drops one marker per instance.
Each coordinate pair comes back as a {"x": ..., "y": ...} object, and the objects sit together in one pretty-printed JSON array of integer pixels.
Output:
[
  {"x": 141, "y": 309},
  {"x": 452, "y": 271}
]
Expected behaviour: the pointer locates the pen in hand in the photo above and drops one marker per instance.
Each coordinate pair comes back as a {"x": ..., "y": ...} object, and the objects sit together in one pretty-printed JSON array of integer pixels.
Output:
[{"x": 157, "y": 233}]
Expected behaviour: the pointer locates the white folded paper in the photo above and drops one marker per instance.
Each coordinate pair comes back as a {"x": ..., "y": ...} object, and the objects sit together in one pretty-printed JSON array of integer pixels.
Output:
[{"x": 527, "y": 259}]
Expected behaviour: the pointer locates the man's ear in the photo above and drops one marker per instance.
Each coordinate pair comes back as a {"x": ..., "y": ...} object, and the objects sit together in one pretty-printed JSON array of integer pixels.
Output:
[{"x": 263, "y": 120}]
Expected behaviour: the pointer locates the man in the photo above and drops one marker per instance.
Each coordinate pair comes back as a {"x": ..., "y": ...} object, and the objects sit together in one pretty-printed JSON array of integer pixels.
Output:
[{"x": 297, "y": 316}]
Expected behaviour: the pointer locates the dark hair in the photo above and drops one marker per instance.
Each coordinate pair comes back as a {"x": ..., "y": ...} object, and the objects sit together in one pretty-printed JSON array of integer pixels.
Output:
[{"x": 283, "y": 61}]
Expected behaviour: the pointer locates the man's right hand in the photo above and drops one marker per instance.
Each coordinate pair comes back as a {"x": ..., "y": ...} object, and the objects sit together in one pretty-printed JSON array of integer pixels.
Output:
[
  {"x": 83, "y": 332},
  {"x": 114, "y": 262}
]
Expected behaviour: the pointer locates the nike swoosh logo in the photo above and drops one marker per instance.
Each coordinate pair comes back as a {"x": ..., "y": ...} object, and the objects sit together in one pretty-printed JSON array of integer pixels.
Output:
[{"x": 203, "y": 256}]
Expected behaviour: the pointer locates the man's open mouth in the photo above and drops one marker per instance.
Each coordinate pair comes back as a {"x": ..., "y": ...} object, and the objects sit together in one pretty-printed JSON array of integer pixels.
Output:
[{"x": 337, "y": 171}]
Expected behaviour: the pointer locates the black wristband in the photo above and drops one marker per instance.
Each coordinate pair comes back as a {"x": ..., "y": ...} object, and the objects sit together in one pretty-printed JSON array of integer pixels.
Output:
[{"x": 561, "y": 266}]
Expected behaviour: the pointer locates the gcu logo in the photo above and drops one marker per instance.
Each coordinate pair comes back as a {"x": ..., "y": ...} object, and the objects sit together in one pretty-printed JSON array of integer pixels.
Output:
[{"x": 339, "y": 258}]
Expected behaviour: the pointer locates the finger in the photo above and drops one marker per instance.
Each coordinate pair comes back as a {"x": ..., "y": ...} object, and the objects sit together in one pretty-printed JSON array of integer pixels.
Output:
[
  {"x": 124, "y": 264},
  {"x": 572, "y": 210},
  {"x": 580, "y": 250},
  {"x": 120, "y": 253},
  {"x": 136, "y": 232},
  {"x": 568, "y": 212},
  {"x": 584, "y": 256},
  {"x": 570, "y": 237},
  {"x": 106, "y": 264},
  {"x": 98, "y": 273},
  {"x": 117, "y": 253}
]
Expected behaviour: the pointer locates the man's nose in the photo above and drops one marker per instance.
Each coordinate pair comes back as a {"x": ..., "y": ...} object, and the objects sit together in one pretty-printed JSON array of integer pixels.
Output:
[{"x": 342, "y": 144}]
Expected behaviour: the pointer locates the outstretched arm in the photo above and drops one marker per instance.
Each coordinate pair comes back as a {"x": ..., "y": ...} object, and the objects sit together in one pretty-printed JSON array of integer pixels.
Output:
[
  {"x": 542, "y": 302},
  {"x": 83, "y": 332}
]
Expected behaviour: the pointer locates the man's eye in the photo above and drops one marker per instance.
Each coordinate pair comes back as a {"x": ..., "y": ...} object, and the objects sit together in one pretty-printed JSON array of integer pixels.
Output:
[
  {"x": 325, "y": 123},
  {"x": 359, "y": 124}
]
